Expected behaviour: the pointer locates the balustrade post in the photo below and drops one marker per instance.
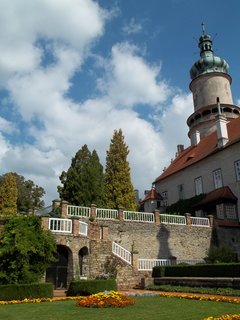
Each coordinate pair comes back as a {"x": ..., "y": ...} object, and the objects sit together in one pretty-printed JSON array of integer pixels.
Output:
[
  {"x": 157, "y": 217},
  {"x": 45, "y": 223},
  {"x": 93, "y": 211},
  {"x": 211, "y": 220},
  {"x": 188, "y": 219},
  {"x": 64, "y": 205},
  {"x": 56, "y": 207},
  {"x": 120, "y": 213}
]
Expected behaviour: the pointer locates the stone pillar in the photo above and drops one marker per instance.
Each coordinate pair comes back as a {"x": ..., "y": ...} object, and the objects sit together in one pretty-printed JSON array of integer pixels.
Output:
[
  {"x": 188, "y": 219},
  {"x": 120, "y": 214},
  {"x": 94, "y": 231},
  {"x": 157, "y": 217},
  {"x": 76, "y": 267},
  {"x": 56, "y": 203},
  {"x": 135, "y": 257},
  {"x": 104, "y": 233},
  {"x": 211, "y": 220},
  {"x": 45, "y": 223},
  {"x": 64, "y": 205},
  {"x": 75, "y": 227},
  {"x": 173, "y": 260},
  {"x": 93, "y": 212}
]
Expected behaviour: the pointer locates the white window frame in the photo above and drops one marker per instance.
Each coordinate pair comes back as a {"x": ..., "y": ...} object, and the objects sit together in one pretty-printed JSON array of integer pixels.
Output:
[
  {"x": 198, "y": 186},
  {"x": 217, "y": 178},
  {"x": 180, "y": 191},
  {"x": 237, "y": 169},
  {"x": 164, "y": 195}
]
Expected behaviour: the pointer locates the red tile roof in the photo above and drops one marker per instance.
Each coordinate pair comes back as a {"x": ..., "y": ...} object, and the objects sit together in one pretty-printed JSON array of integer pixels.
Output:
[
  {"x": 152, "y": 195},
  {"x": 219, "y": 195},
  {"x": 206, "y": 147}
]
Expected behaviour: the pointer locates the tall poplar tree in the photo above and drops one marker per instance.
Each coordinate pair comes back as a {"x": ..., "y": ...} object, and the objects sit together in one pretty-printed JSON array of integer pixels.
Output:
[
  {"x": 82, "y": 184},
  {"x": 8, "y": 194},
  {"x": 119, "y": 191}
]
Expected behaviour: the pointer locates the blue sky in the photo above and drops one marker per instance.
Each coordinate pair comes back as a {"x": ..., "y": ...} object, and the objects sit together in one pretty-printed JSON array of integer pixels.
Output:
[{"x": 72, "y": 71}]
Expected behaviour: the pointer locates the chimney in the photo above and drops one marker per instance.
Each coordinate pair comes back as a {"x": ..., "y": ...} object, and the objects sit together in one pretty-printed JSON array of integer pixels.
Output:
[
  {"x": 221, "y": 124},
  {"x": 180, "y": 148},
  {"x": 195, "y": 138}
]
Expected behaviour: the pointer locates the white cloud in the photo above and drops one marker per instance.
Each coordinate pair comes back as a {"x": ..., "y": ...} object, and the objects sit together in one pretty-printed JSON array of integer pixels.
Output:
[
  {"x": 59, "y": 125},
  {"x": 76, "y": 23},
  {"x": 131, "y": 80},
  {"x": 132, "y": 27}
]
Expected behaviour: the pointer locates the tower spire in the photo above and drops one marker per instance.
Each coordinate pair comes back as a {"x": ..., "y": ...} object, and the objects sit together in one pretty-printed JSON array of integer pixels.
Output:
[{"x": 203, "y": 28}]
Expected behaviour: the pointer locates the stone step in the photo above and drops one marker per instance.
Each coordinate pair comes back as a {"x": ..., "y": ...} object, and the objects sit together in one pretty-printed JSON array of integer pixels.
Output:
[{"x": 59, "y": 293}]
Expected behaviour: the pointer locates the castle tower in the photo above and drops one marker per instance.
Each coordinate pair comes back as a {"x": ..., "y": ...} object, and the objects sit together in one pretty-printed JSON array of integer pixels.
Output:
[{"x": 210, "y": 79}]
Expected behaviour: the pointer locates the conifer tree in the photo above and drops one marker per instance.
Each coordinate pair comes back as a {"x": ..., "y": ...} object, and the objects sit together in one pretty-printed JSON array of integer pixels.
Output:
[
  {"x": 119, "y": 190},
  {"x": 82, "y": 184},
  {"x": 8, "y": 194}
]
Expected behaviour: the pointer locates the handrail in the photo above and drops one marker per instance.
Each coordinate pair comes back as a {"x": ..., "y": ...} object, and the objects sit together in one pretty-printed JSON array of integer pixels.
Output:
[
  {"x": 121, "y": 253},
  {"x": 138, "y": 216},
  {"x": 106, "y": 214},
  {"x": 173, "y": 219},
  {"x": 76, "y": 211},
  {"x": 148, "y": 264},
  {"x": 200, "y": 222},
  {"x": 60, "y": 225}
]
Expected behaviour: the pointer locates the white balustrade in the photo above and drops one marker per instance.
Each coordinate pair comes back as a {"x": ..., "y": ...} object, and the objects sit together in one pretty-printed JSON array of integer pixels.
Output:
[
  {"x": 83, "y": 228},
  {"x": 121, "y": 253},
  {"x": 60, "y": 225},
  {"x": 138, "y": 216},
  {"x": 172, "y": 219},
  {"x": 190, "y": 261},
  {"x": 200, "y": 222},
  {"x": 148, "y": 264},
  {"x": 107, "y": 214},
  {"x": 76, "y": 211}
]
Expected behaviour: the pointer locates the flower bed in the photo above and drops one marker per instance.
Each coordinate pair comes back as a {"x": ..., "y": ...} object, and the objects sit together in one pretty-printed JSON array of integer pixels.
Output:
[
  {"x": 105, "y": 300},
  {"x": 225, "y": 317}
]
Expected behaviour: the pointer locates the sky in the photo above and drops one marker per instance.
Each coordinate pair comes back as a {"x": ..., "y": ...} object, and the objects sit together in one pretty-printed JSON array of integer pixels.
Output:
[{"x": 73, "y": 71}]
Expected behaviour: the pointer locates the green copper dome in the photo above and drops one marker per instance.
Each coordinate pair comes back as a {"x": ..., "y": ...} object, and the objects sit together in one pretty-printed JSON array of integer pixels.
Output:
[{"x": 208, "y": 62}]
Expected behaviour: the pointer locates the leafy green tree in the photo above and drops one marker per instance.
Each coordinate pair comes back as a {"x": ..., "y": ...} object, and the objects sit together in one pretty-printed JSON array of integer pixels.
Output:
[
  {"x": 29, "y": 195},
  {"x": 221, "y": 254},
  {"x": 119, "y": 191},
  {"x": 26, "y": 250},
  {"x": 8, "y": 194},
  {"x": 82, "y": 184}
]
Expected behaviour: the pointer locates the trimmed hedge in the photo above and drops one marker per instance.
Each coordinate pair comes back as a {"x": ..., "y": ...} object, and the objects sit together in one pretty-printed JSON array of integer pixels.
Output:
[
  {"x": 88, "y": 287},
  {"x": 25, "y": 291},
  {"x": 224, "y": 270}
]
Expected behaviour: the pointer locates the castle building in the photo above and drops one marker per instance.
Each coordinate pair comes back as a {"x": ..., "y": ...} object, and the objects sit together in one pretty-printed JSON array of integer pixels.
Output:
[{"x": 211, "y": 164}]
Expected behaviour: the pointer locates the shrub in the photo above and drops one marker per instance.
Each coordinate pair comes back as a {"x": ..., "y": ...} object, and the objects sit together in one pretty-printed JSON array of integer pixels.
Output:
[
  {"x": 25, "y": 291},
  {"x": 204, "y": 270},
  {"x": 88, "y": 287},
  {"x": 221, "y": 254}
]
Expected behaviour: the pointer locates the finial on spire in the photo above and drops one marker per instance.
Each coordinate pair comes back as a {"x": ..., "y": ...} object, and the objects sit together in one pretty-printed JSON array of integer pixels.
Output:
[{"x": 203, "y": 28}]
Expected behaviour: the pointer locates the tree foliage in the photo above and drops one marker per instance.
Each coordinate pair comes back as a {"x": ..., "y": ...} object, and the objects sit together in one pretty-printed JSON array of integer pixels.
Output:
[
  {"x": 119, "y": 190},
  {"x": 8, "y": 194},
  {"x": 29, "y": 195},
  {"x": 221, "y": 254},
  {"x": 82, "y": 184},
  {"x": 26, "y": 250}
]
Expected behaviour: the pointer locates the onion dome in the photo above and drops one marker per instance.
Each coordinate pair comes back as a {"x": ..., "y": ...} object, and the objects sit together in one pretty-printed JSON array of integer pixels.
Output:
[{"x": 208, "y": 62}]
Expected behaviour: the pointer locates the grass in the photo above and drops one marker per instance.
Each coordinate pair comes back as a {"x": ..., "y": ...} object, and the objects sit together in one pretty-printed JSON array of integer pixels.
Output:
[{"x": 152, "y": 308}]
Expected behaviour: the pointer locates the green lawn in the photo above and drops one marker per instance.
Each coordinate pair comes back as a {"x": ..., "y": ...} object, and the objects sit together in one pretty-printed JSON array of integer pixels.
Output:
[{"x": 145, "y": 308}]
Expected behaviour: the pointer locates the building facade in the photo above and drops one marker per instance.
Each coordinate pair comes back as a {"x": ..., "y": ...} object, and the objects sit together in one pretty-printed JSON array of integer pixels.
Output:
[{"x": 211, "y": 164}]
